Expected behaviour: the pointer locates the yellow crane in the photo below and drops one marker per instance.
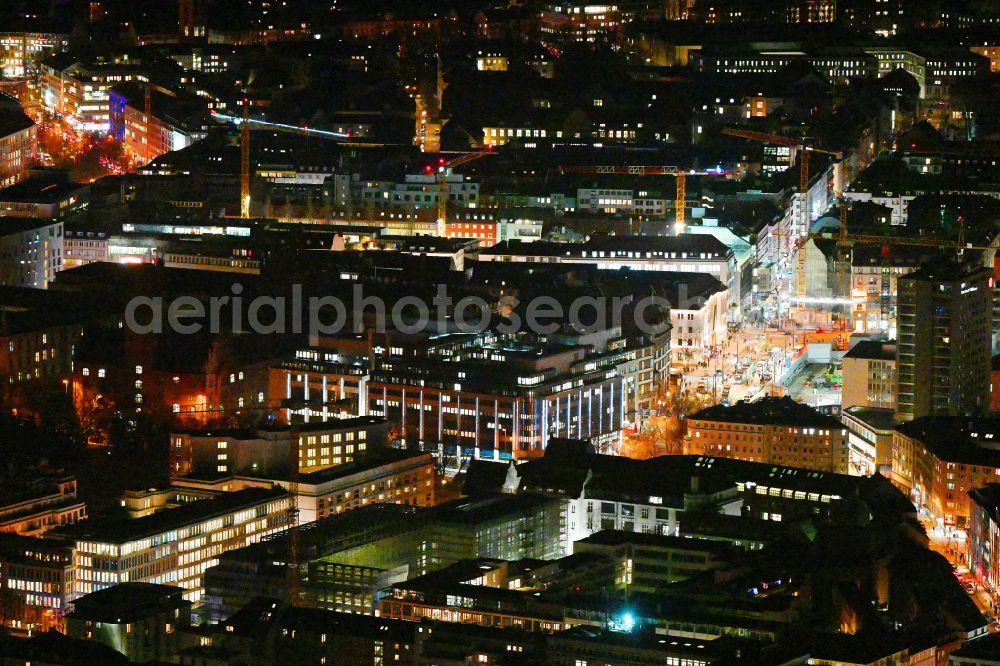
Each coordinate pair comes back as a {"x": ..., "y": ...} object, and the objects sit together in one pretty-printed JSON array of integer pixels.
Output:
[
  {"x": 246, "y": 124},
  {"x": 680, "y": 178},
  {"x": 804, "y": 150}
]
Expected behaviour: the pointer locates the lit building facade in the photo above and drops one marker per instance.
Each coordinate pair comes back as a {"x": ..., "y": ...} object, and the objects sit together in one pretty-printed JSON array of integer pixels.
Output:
[
  {"x": 21, "y": 52},
  {"x": 269, "y": 451},
  {"x": 388, "y": 476},
  {"x": 868, "y": 371},
  {"x": 37, "y": 574},
  {"x": 943, "y": 342},
  {"x": 939, "y": 460},
  {"x": 31, "y": 252},
  {"x": 563, "y": 23},
  {"x": 506, "y": 399},
  {"x": 983, "y": 541},
  {"x": 175, "y": 546},
  {"x": 146, "y": 136},
  {"x": 52, "y": 502},
  {"x": 80, "y": 93},
  {"x": 18, "y": 142},
  {"x": 776, "y": 431}
]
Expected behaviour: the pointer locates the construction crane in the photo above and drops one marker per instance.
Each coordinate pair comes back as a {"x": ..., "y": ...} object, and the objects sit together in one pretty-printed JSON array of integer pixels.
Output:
[
  {"x": 246, "y": 124},
  {"x": 680, "y": 178},
  {"x": 804, "y": 151},
  {"x": 444, "y": 170}
]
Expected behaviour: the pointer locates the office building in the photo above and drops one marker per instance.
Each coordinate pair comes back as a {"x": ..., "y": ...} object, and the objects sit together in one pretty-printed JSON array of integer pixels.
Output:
[
  {"x": 267, "y": 452},
  {"x": 379, "y": 476},
  {"x": 351, "y": 556},
  {"x": 870, "y": 432},
  {"x": 141, "y": 620},
  {"x": 691, "y": 253},
  {"x": 177, "y": 545},
  {"x": 943, "y": 346},
  {"x": 36, "y": 577},
  {"x": 672, "y": 495},
  {"x": 649, "y": 561},
  {"x": 772, "y": 430},
  {"x": 503, "y": 397}
]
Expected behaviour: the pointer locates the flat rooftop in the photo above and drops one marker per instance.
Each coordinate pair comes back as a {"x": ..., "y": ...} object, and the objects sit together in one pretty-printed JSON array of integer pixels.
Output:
[{"x": 124, "y": 530}]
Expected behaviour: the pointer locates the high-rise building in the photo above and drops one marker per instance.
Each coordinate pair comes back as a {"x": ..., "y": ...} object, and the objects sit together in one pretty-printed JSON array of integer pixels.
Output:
[{"x": 943, "y": 348}]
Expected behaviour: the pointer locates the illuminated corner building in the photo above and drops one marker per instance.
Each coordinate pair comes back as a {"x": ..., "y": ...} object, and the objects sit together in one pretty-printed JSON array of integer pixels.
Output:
[
  {"x": 938, "y": 460},
  {"x": 870, "y": 432},
  {"x": 307, "y": 385},
  {"x": 33, "y": 506},
  {"x": 39, "y": 574},
  {"x": 266, "y": 452},
  {"x": 387, "y": 476},
  {"x": 21, "y": 52},
  {"x": 31, "y": 251},
  {"x": 563, "y": 23},
  {"x": 140, "y": 620},
  {"x": 18, "y": 141},
  {"x": 777, "y": 431},
  {"x": 501, "y": 397},
  {"x": 174, "y": 121},
  {"x": 79, "y": 93},
  {"x": 944, "y": 326},
  {"x": 175, "y": 546},
  {"x": 984, "y": 537}
]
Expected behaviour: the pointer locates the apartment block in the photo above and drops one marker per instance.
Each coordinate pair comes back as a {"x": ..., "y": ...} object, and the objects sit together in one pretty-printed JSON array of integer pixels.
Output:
[
  {"x": 938, "y": 460},
  {"x": 772, "y": 430}
]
